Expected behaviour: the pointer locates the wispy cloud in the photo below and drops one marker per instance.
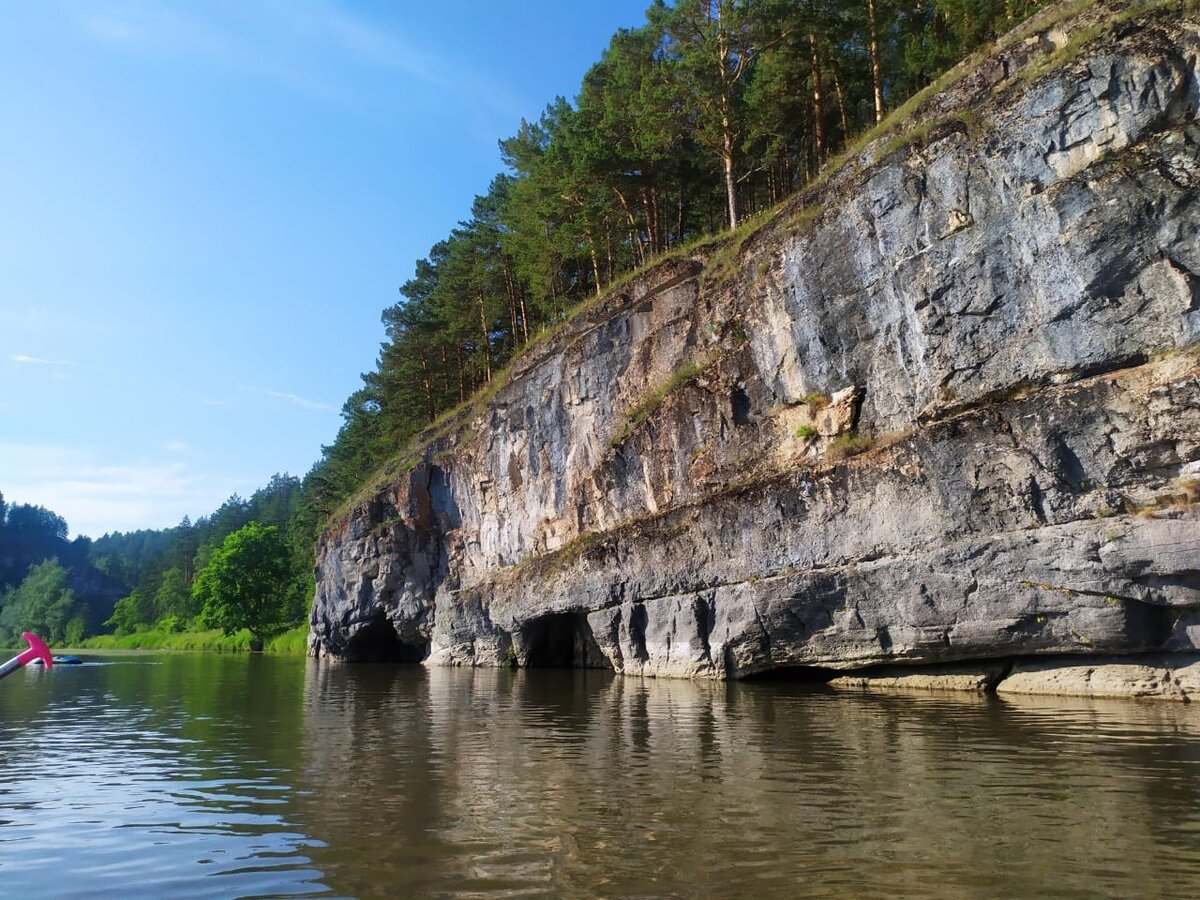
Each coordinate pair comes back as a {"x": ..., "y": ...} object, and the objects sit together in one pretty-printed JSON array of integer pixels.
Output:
[
  {"x": 209, "y": 401},
  {"x": 57, "y": 367},
  {"x": 109, "y": 28},
  {"x": 378, "y": 45},
  {"x": 96, "y": 496},
  {"x": 177, "y": 446},
  {"x": 157, "y": 28},
  {"x": 288, "y": 396},
  {"x": 40, "y": 361},
  {"x": 300, "y": 401},
  {"x": 236, "y": 42},
  {"x": 298, "y": 43}
]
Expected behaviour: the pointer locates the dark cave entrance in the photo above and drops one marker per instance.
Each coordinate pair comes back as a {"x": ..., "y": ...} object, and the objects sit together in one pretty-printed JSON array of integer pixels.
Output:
[
  {"x": 561, "y": 641},
  {"x": 797, "y": 675},
  {"x": 377, "y": 641},
  {"x": 739, "y": 405}
]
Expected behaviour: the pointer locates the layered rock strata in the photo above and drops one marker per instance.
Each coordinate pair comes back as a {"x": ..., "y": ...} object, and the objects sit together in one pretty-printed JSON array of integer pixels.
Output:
[
  {"x": 1153, "y": 676},
  {"x": 944, "y": 406}
]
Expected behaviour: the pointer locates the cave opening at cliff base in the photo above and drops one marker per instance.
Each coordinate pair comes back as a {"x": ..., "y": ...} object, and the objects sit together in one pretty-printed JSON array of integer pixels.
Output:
[
  {"x": 560, "y": 641},
  {"x": 377, "y": 641},
  {"x": 798, "y": 674}
]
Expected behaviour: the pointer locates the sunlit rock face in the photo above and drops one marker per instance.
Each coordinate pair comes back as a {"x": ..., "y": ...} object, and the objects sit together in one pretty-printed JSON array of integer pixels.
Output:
[{"x": 943, "y": 407}]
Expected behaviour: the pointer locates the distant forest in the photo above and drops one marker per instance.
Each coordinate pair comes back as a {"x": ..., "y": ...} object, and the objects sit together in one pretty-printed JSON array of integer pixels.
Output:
[
  {"x": 66, "y": 590},
  {"x": 710, "y": 112}
]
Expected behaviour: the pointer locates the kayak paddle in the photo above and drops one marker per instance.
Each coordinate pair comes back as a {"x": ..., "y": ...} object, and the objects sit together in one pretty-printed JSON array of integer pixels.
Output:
[{"x": 37, "y": 650}]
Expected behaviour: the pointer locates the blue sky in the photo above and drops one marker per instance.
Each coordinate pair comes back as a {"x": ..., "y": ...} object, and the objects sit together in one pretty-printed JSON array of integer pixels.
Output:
[{"x": 207, "y": 205}]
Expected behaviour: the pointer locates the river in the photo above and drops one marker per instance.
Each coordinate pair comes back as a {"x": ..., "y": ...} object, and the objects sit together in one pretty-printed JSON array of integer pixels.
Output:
[{"x": 204, "y": 775}]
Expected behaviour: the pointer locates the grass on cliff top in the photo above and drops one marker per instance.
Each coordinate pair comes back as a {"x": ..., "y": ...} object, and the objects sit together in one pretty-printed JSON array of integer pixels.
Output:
[
  {"x": 903, "y": 127},
  {"x": 645, "y": 407},
  {"x": 456, "y": 419},
  {"x": 1080, "y": 38},
  {"x": 293, "y": 641},
  {"x": 1049, "y": 61}
]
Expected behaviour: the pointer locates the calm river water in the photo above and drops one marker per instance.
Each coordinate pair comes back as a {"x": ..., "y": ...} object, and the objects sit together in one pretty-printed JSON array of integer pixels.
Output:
[{"x": 228, "y": 776}]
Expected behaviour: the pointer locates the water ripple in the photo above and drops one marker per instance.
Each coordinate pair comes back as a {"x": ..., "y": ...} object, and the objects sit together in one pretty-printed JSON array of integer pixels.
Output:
[
  {"x": 101, "y": 793},
  {"x": 216, "y": 777}
]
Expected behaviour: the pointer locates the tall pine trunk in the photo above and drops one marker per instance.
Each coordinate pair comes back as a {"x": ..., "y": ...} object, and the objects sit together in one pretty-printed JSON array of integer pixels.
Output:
[
  {"x": 730, "y": 185},
  {"x": 524, "y": 315},
  {"x": 595, "y": 266},
  {"x": 818, "y": 103},
  {"x": 841, "y": 103},
  {"x": 487, "y": 342},
  {"x": 876, "y": 63},
  {"x": 427, "y": 386},
  {"x": 635, "y": 233}
]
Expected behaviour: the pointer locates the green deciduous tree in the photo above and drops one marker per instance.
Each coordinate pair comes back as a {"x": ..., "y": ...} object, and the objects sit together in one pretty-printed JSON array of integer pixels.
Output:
[
  {"x": 247, "y": 583},
  {"x": 174, "y": 604},
  {"x": 132, "y": 613},
  {"x": 30, "y": 534},
  {"x": 42, "y": 604}
]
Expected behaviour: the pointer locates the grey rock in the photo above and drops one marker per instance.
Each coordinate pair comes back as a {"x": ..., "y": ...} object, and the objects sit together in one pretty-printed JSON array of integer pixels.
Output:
[
  {"x": 1005, "y": 313},
  {"x": 1157, "y": 677},
  {"x": 975, "y": 677}
]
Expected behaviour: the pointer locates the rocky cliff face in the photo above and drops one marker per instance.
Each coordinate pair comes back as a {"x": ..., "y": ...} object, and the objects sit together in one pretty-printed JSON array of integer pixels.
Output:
[{"x": 943, "y": 406}]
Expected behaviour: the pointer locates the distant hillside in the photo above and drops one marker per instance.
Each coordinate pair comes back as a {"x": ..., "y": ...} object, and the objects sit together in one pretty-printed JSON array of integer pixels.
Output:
[
  {"x": 31, "y": 535},
  {"x": 150, "y": 570}
]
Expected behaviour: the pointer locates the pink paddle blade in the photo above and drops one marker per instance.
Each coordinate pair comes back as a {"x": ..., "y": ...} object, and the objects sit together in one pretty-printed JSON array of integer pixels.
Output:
[{"x": 37, "y": 650}]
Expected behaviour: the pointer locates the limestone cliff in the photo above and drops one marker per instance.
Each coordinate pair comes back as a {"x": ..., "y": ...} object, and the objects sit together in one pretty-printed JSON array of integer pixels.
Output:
[{"x": 943, "y": 406}]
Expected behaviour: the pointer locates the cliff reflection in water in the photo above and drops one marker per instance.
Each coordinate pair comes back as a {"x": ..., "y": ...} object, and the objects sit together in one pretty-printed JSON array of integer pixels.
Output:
[{"x": 454, "y": 781}]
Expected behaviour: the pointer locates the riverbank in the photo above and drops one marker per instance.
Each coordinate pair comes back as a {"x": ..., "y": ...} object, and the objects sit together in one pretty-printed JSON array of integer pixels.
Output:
[
  {"x": 293, "y": 642},
  {"x": 1154, "y": 676}
]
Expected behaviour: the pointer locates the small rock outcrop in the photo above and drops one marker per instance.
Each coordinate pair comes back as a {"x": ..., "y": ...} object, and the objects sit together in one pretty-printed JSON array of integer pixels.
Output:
[
  {"x": 942, "y": 407},
  {"x": 1158, "y": 677}
]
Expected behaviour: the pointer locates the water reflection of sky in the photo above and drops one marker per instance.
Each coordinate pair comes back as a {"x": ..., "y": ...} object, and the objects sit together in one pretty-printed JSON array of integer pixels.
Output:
[{"x": 103, "y": 792}]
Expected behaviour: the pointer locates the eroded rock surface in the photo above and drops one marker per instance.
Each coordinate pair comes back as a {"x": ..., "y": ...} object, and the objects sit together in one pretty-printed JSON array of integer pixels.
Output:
[
  {"x": 1157, "y": 677},
  {"x": 979, "y": 677},
  {"x": 944, "y": 407}
]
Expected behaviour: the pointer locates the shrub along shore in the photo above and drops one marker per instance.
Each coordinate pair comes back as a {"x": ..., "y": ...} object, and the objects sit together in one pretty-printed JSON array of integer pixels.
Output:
[{"x": 293, "y": 641}]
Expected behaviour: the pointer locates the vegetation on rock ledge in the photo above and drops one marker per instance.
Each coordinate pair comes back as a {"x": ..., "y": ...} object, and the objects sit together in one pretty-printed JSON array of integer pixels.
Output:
[{"x": 711, "y": 112}]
